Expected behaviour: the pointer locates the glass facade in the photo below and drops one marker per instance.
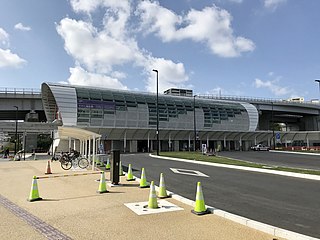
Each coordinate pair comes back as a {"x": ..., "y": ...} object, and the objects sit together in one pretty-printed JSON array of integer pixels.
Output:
[{"x": 114, "y": 108}]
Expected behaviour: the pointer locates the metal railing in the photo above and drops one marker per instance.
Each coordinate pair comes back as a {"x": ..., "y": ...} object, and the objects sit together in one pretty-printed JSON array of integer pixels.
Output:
[
  {"x": 20, "y": 91},
  {"x": 256, "y": 99}
]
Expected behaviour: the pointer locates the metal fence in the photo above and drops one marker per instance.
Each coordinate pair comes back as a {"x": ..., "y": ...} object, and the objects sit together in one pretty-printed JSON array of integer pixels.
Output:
[{"x": 23, "y": 91}]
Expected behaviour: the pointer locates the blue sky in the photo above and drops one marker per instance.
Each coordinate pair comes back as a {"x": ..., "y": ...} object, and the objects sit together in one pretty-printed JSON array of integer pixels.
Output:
[{"x": 258, "y": 48}]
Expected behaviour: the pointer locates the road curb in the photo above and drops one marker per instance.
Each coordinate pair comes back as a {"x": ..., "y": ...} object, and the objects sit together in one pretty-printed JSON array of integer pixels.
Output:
[{"x": 266, "y": 228}]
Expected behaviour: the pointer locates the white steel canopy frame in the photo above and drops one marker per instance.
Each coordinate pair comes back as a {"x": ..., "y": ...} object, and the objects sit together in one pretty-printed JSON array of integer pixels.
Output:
[{"x": 82, "y": 135}]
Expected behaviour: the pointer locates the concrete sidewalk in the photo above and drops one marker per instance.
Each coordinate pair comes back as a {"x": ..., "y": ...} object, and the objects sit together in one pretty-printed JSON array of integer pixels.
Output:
[{"x": 71, "y": 205}]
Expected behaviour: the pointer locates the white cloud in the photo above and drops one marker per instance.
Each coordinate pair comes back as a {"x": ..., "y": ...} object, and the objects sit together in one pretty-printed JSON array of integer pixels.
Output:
[
  {"x": 92, "y": 5},
  {"x": 98, "y": 51},
  {"x": 273, "y": 4},
  {"x": 81, "y": 77},
  {"x": 21, "y": 27},
  {"x": 118, "y": 75},
  {"x": 170, "y": 74},
  {"x": 9, "y": 59},
  {"x": 4, "y": 37},
  {"x": 236, "y": 1},
  {"x": 273, "y": 86},
  {"x": 211, "y": 25}
]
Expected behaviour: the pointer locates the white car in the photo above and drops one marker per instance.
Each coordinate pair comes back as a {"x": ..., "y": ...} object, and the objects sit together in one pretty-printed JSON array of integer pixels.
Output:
[{"x": 260, "y": 147}]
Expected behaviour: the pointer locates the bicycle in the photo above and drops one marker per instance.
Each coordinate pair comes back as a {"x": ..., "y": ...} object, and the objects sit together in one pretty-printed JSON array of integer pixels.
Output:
[{"x": 67, "y": 160}]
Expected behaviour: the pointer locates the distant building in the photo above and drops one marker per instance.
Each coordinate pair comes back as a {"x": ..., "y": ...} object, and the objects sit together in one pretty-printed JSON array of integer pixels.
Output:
[
  {"x": 296, "y": 99},
  {"x": 179, "y": 92}
]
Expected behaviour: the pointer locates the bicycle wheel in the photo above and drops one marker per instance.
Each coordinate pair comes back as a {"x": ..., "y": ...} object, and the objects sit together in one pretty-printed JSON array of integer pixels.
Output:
[
  {"x": 83, "y": 162},
  {"x": 65, "y": 163}
]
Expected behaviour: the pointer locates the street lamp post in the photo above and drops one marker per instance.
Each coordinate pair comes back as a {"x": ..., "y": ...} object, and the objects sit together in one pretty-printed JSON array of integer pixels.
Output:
[
  {"x": 16, "y": 133},
  {"x": 157, "y": 106},
  {"x": 194, "y": 123},
  {"x": 272, "y": 119},
  {"x": 318, "y": 81}
]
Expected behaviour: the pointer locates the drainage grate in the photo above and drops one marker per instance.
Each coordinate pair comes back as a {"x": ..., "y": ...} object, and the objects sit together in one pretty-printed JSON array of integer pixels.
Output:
[{"x": 45, "y": 229}]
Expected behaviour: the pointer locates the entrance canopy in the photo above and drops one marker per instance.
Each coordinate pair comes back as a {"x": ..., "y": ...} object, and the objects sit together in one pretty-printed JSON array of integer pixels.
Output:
[
  {"x": 76, "y": 133},
  {"x": 84, "y": 136}
]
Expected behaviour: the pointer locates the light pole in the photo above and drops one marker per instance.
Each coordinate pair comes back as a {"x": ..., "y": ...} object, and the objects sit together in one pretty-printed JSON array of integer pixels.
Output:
[
  {"x": 16, "y": 134},
  {"x": 157, "y": 106},
  {"x": 272, "y": 119},
  {"x": 194, "y": 123},
  {"x": 318, "y": 81}
]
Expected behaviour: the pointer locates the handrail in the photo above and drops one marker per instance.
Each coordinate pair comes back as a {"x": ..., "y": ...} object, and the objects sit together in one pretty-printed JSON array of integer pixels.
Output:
[
  {"x": 23, "y": 91},
  {"x": 255, "y": 99}
]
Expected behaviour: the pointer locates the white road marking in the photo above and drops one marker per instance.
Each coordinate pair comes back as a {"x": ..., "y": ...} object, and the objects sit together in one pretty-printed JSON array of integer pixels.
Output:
[{"x": 188, "y": 172}]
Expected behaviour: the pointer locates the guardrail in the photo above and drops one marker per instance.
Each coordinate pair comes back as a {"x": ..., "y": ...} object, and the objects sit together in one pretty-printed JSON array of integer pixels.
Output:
[
  {"x": 20, "y": 91},
  {"x": 256, "y": 99}
]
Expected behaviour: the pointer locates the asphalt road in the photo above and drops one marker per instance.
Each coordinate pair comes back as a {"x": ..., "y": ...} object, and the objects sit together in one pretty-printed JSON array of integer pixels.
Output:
[
  {"x": 277, "y": 158},
  {"x": 285, "y": 202}
]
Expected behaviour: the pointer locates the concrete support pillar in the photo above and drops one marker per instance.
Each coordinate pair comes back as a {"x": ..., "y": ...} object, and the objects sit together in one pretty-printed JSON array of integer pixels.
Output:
[
  {"x": 133, "y": 146},
  {"x": 81, "y": 147},
  {"x": 93, "y": 152},
  {"x": 89, "y": 151},
  {"x": 69, "y": 145},
  {"x": 149, "y": 142},
  {"x": 308, "y": 144},
  {"x": 189, "y": 143},
  {"x": 176, "y": 145},
  {"x": 125, "y": 141},
  {"x": 86, "y": 148}
]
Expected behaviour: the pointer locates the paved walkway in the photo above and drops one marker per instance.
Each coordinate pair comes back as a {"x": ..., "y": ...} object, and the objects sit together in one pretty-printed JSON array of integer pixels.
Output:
[{"x": 71, "y": 209}]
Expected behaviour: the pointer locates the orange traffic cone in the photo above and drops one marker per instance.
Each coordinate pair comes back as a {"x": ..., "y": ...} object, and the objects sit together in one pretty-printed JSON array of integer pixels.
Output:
[{"x": 48, "y": 168}]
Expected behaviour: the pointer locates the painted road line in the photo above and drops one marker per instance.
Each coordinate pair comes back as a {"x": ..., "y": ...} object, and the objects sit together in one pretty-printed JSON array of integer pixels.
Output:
[
  {"x": 302, "y": 153},
  {"x": 188, "y": 172},
  {"x": 266, "y": 228},
  {"x": 251, "y": 169},
  {"x": 275, "y": 231}
]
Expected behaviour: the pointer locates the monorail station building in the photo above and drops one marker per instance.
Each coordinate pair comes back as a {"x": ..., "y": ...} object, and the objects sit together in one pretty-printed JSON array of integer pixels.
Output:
[{"x": 127, "y": 120}]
